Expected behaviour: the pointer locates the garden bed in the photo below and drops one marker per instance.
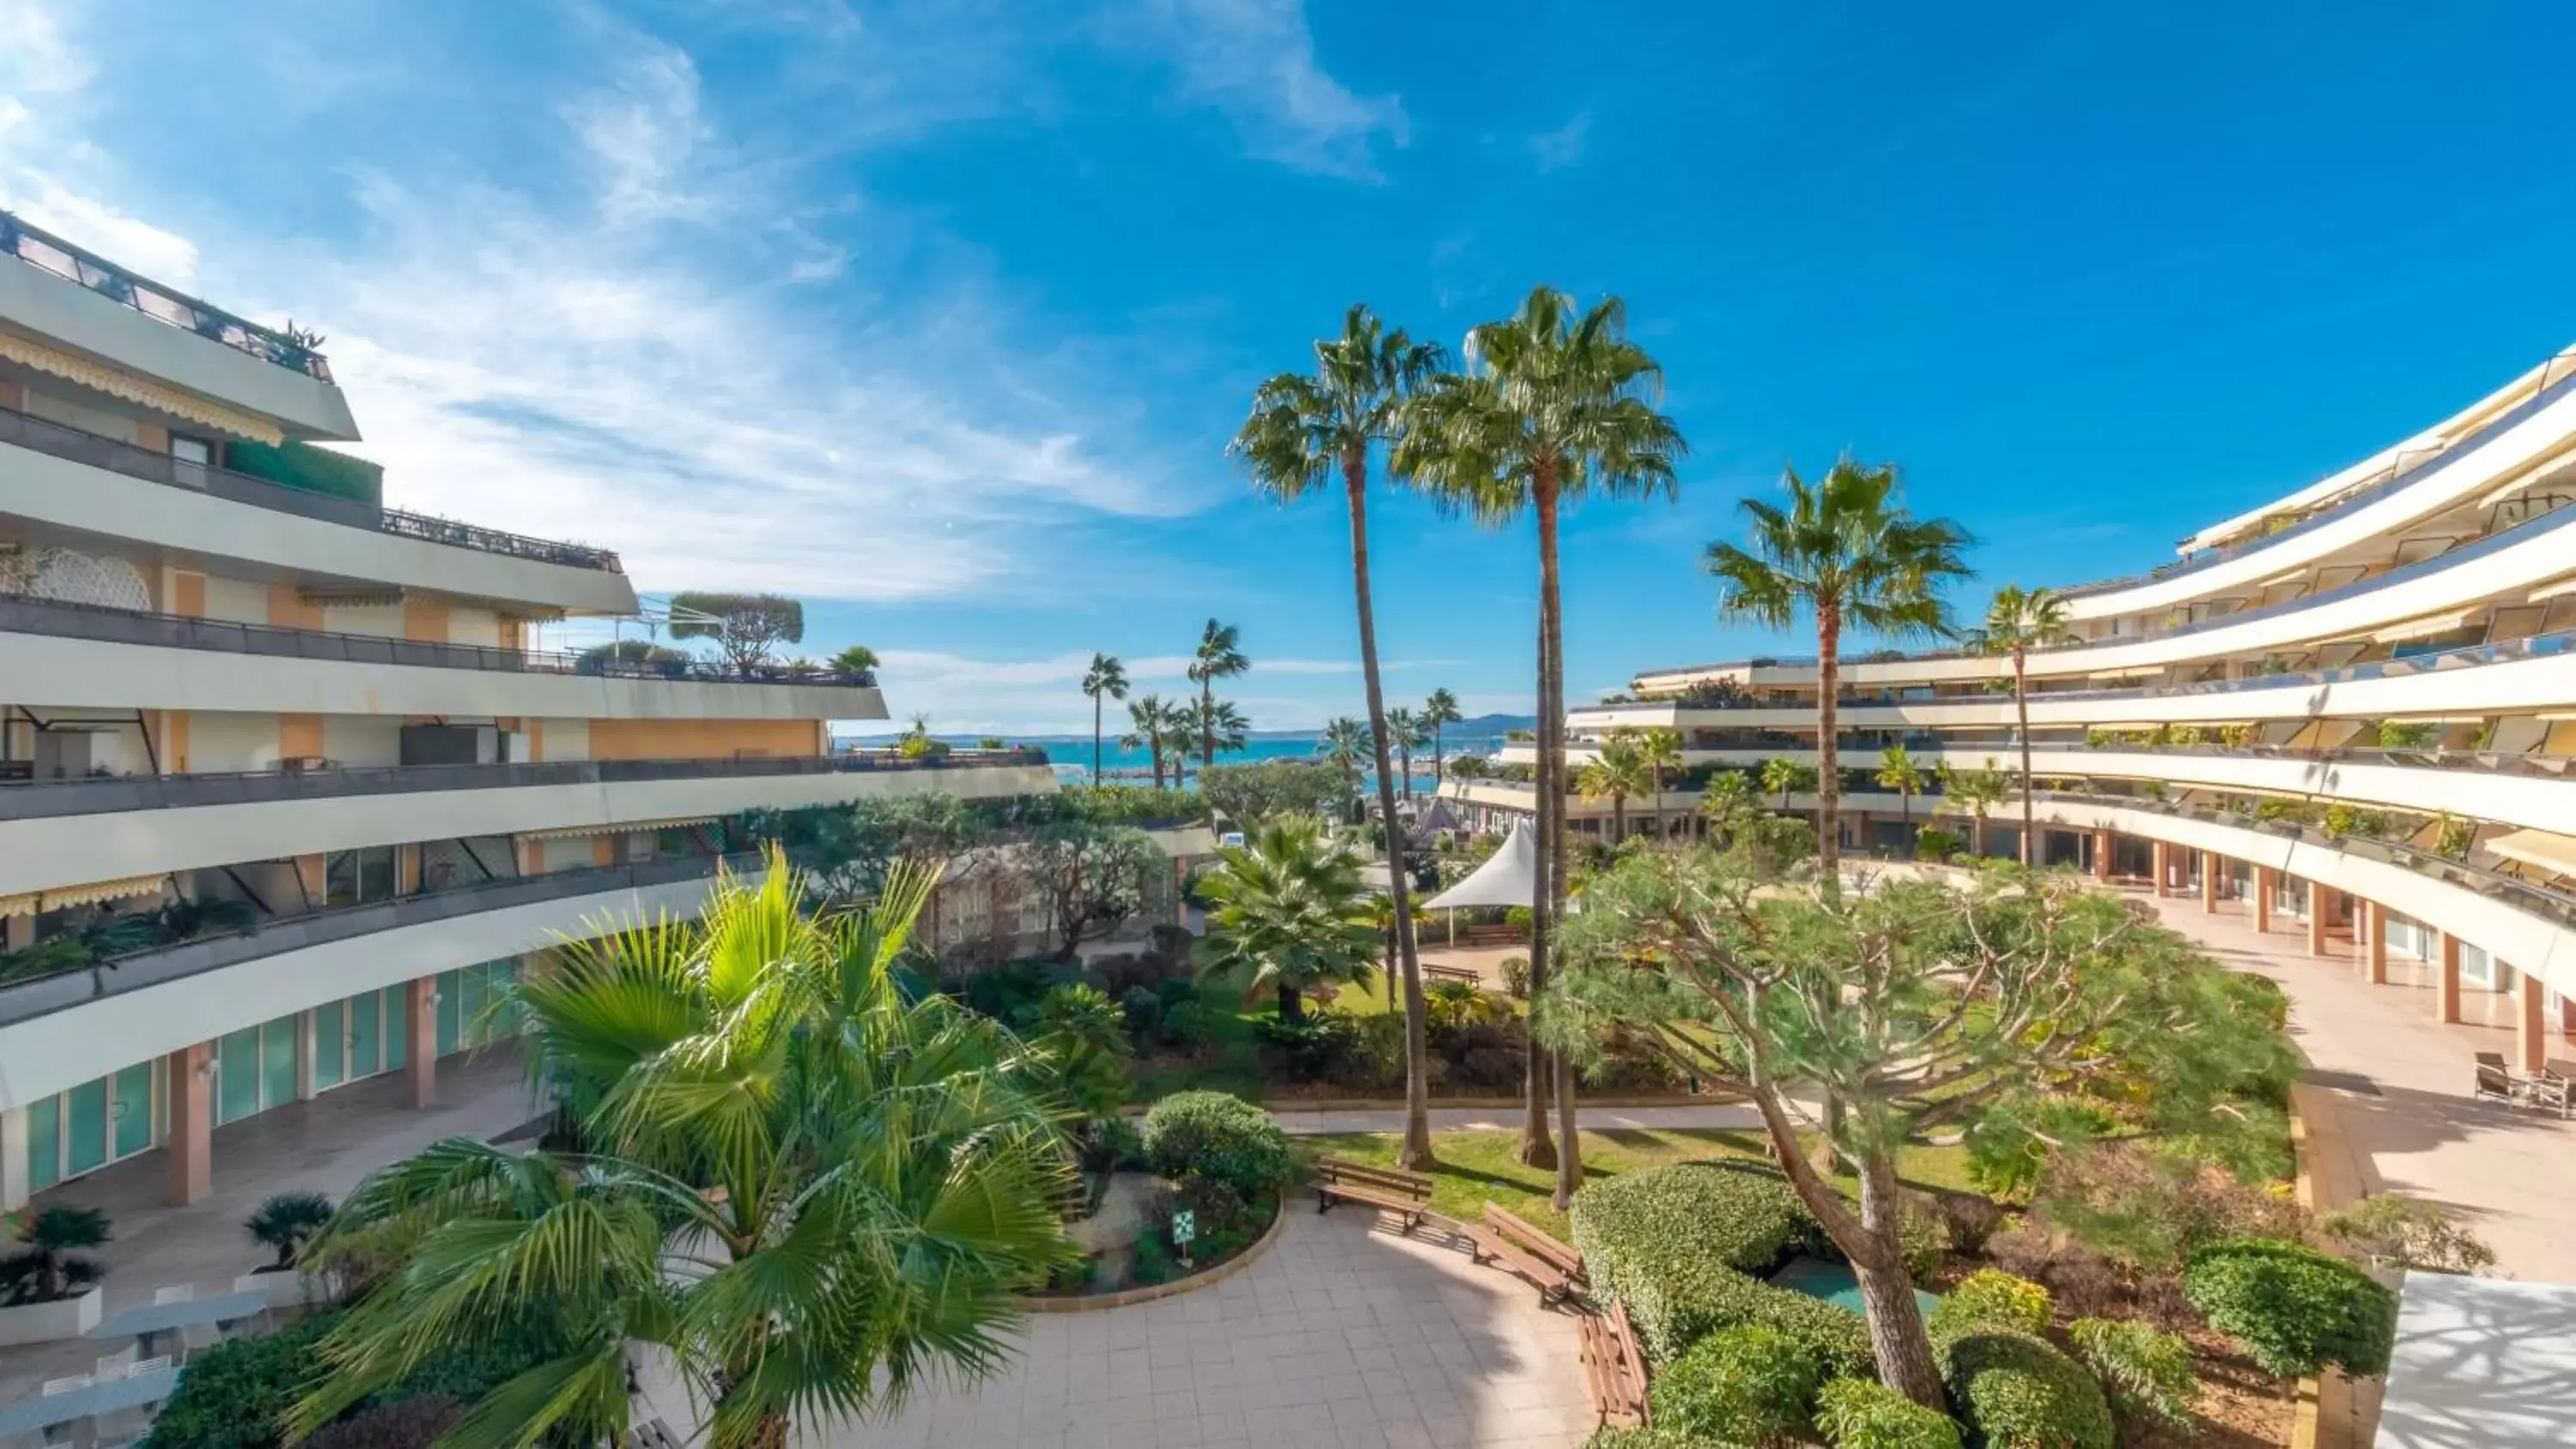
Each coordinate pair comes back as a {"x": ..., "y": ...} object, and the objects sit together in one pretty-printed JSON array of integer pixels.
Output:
[{"x": 1202, "y": 1275}]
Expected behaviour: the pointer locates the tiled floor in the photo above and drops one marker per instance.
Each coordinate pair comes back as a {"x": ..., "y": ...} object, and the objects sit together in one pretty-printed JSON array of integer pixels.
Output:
[{"x": 1344, "y": 1334}]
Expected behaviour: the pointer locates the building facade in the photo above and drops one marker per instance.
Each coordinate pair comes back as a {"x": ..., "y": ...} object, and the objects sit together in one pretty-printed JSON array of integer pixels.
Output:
[
  {"x": 288, "y": 782},
  {"x": 2353, "y": 708}
]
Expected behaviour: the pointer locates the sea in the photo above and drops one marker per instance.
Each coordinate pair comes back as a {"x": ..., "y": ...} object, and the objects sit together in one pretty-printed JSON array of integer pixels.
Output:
[{"x": 1071, "y": 755}]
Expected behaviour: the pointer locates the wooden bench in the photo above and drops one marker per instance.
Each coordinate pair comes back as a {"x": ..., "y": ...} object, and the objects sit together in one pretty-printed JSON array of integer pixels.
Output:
[
  {"x": 2493, "y": 1078},
  {"x": 1614, "y": 1367},
  {"x": 652, "y": 1434},
  {"x": 1403, "y": 1195},
  {"x": 1452, "y": 973},
  {"x": 1550, "y": 1266}
]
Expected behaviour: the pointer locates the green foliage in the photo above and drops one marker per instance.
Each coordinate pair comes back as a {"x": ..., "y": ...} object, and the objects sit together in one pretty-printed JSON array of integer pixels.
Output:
[
  {"x": 48, "y": 1264},
  {"x": 2403, "y": 1232},
  {"x": 2018, "y": 1392},
  {"x": 2452, "y": 836},
  {"x": 235, "y": 1395},
  {"x": 1936, "y": 844},
  {"x": 310, "y": 468},
  {"x": 2009, "y": 1147},
  {"x": 2401, "y": 735},
  {"x": 414, "y": 1423},
  {"x": 1990, "y": 1300},
  {"x": 2295, "y": 1309},
  {"x": 1287, "y": 911},
  {"x": 2145, "y": 1370},
  {"x": 1642, "y": 1436},
  {"x": 285, "y": 1220},
  {"x": 1213, "y": 1135},
  {"x": 1750, "y": 1384},
  {"x": 2149, "y": 1209},
  {"x": 1516, "y": 977},
  {"x": 1090, "y": 877},
  {"x": 1857, "y": 1413},
  {"x": 745, "y": 626},
  {"x": 1252, "y": 793}
]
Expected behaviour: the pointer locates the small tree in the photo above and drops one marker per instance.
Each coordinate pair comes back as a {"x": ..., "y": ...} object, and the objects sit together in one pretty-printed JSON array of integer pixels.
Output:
[
  {"x": 1090, "y": 875},
  {"x": 745, "y": 627},
  {"x": 1787, "y": 776},
  {"x": 1250, "y": 794},
  {"x": 285, "y": 1222},
  {"x": 1287, "y": 911},
  {"x": 48, "y": 1264}
]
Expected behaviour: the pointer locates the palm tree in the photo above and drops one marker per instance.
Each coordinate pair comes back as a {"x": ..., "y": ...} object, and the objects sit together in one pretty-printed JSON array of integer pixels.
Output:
[
  {"x": 1305, "y": 434},
  {"x": 1661, "y": 749},
  {"x": 1439, "y": 712},
  {"x": 1404, "y": 730},
  {"x": 1221, "y": 721},
  {"x": 2018, "y": 621},
  {"x": 1106, "y": 677},
  {"x": 1728, "y": 803},
  {"x": 1219, "y": 656},
  {"x": 1897, "y": 771},
  {"x": 1150, "y": 722},
  {"x": 1618, "y": 772},
  {"x": 1382, "y": 919},
  {"x": 1977, "y": 792},
  {"x": 1846, "y": 552},
  {"x": 1287, "y": 911},
  {"x": 807, "y": 1190},
  {"x": 857, "y": 659},
  {"x": 1345, "y": 742},
  {"x": 1556, "y": 406},
  {"x": 1787, "y": 776},
  {"x": 1180, "y": 724}
]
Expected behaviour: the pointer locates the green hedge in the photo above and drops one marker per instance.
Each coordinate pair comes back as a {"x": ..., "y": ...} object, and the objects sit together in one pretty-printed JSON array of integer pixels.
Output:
[
  {"x": 1751, "y": 1384},
  {"x": 315, "y": 470},
  {"x": 233, "y": 1395},
  {"x": 1222, "y": 1138},
  {"x": 1866, "y": 1414},
  {"x": 2019, "y": 1392},
  {"x": 2295, "y": 1309}
]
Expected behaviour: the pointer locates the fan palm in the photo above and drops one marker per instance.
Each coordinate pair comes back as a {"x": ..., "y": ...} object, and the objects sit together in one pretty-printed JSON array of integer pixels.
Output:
[
  {"x": 1661, "y": 749},
  {"x": 1221, "y": 721},
  {"x": 806, "y": 1191},
  {"x": 1897, "y": 771},
  {"x": 1977, "y": 792},
  {"x": 857, "y": 659},
  {"x": 1105, "y": 678},
  {"x": 1150, "y": 729},
  {"x": 2018, "y": 621},
  {"x": 1306, "y": 433},
  {"x": 1219, "y": 656},
  {"x": 1180, "y": 726},
  {"x": 1557, "y": 405},
  {"x": 1287, "y": 911},
  {"x": 1787, "y": 776},
  {"x": 1345, "y": 743},
  {"x": 1618, "y": 773},
  {"x": 1439, "y": 712},
  {"x": 1728, "y": 804},
  {"x": 1405, "y": 730},
  {"x": 1847, "y": 553}
]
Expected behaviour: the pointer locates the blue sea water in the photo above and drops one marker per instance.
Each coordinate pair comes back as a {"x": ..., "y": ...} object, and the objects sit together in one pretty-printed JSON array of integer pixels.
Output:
[{"x": 1071, "y": 756}]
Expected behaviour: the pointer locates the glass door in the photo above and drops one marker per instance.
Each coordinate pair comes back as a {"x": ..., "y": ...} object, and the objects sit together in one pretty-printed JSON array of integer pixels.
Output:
[
  {"x": 85, "y": 1126},
  {"x": 397, "y": 1027},
  {"x": 365, "y": 1052},
  {"x": 330, "y": 1045},
  {"x": 133, "y": 1109},
  {"x": 237, "y": 1071},
  {"x": 277, "y": 1062}
]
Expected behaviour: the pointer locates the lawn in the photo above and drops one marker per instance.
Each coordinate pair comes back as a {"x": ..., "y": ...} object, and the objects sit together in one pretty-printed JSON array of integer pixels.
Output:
[{"x": 1477, "y": 1165}]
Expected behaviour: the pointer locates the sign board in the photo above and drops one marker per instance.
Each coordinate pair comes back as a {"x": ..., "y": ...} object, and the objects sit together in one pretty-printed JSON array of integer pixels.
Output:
[
  {"x": 1231, "y": 840},
  {"x": 1185, "y": 1226}
]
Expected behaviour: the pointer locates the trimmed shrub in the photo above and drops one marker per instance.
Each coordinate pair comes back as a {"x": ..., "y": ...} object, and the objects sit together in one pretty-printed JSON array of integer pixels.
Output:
[
  {"x": 1213, "y": 1135},
  {"x": 2146, "y": 1371},
  {"x": 233, "y": 1395},
  {"x": 1751, "y": 1384},
  {"x": 1989, "y": 1300},
  {"x": 2295, "y": 1309},
  {"x": 2018, "y": 1392},
  {"x": 1866, "y": 1414},
  {"x": 1638, "y": 1436},
  {"x": 404, "y": 1424}
]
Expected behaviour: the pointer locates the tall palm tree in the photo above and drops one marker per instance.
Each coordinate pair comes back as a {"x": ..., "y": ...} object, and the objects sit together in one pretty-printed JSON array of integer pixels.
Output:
[
  {"x": 1661, "y": 749},
  {"x": 1345, "y": 742},
  {"x": 2018, "y": 621},
  {"x": 1787, "y": 776},
  {"x": 1404, "y": 730},
  {"x": 1439, "y": 712},
  {"x": 1618, "y": 773},
  {"x": 1976, "y": 792},
  {"x": 1729, "y": 804},
  {"x": 1305, "y": 434},
  {"x": 1846, "y": 552},
  {"x": 1150, "y": 729},
  {"x": 1219, "y": 656},
  {"x": 1106, "y": 677},
  {"x": 1180, "y": 731},
  {"x": 1556, "y": 405},
  {"x": 855, "y": 1180},
  {"x": 1897, "y": 771},
  {"x": 1286, "y": 910}
]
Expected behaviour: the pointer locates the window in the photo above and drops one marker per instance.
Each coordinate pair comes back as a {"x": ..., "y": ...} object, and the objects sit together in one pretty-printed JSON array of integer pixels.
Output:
[{"x": 350, "y": 877}]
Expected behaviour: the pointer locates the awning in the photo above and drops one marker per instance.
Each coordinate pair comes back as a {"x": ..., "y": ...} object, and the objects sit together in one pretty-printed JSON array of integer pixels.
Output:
[
  {"x": 568, "y": 832},
  {"x": 1510, "y": 878},
  {"x": 30, "y": 353},
  {"x": 31, "y": 902},
  {"x": 2425, "y": 627},
  {"x": 2542, "y": 849}
]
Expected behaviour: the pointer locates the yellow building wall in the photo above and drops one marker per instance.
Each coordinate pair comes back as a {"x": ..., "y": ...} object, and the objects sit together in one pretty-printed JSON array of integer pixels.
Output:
[
  {"x": 704, "y": 739},
  {"x": 425, "y": 620},
  {"x": 299, "y": 736},
  {"x": 188, "y": 595},
  {"x": 287, "y": 609}
]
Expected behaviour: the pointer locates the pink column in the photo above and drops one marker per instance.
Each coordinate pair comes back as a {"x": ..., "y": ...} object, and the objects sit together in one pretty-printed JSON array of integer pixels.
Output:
[
  {"x": 189, "y": 1134},
  {"x": 2209, "y": 862},
  {"x": 2374, "y": 950},
  {"x": 2164, "y": 865},
  {"x": 2321, "y": 900},
  {"x": 2102, "y": 854},
  {"x": 2530, "y": 1029},
  {"x": 2446, "y": 980},
  {"x": 420, "y": 1054},
  {"x": 2264, "y": 877}
]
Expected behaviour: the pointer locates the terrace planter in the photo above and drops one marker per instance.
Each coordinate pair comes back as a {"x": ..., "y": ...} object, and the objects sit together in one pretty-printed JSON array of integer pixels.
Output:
[
  {"x": 287, "y": 1288},
  {"x": 48, "y": 1322}
]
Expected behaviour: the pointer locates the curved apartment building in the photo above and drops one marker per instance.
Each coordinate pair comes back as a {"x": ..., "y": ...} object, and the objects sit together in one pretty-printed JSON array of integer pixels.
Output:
[
  {"x": 2353, "y": 708},
  {"x": 287, "y": 781}
]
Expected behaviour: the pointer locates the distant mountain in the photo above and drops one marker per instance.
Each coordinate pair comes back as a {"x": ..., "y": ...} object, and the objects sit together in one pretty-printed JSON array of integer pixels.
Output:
[{"x": 1478, "y": 725}]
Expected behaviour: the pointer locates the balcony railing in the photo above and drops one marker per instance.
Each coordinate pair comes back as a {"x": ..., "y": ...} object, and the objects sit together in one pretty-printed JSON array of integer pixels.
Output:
[
  {"x": 116, "y": 976},
  {"x": 43, "y": 435},
  {"x": 22, "y": 615},
  {"x": 111, "y": 794},
  {"x": 43, "y": 249}
]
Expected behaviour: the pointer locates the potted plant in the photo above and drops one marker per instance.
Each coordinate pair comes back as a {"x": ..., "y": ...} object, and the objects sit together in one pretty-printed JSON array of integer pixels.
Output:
[
  {"x": 283, "y": 1224},
  {"x": 48, "y": 1289}
]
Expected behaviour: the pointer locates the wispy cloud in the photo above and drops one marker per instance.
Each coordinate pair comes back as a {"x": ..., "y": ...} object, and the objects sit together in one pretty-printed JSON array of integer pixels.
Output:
[
  {"x": 1564, "y": 145},
  {"x": 1254, "y": 61}
]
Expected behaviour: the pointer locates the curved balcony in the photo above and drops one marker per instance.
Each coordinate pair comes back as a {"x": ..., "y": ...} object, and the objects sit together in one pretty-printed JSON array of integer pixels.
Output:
[
  {"x": 53, "y": 652},
  {"x": 56, "y": 1030},
  {"x": 59, "y": 833}
]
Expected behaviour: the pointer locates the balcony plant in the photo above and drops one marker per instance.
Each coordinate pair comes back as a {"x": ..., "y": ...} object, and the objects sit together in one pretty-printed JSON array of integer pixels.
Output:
[{"x": 284, "y": 1222}]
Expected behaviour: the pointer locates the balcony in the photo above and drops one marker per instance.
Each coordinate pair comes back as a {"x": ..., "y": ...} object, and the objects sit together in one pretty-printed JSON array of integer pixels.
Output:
[
  {"x": 72, "y": 445},
  {"x": 47, "y": 252}
]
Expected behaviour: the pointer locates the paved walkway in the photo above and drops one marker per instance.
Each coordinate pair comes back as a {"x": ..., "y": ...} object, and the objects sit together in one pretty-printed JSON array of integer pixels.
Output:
[
  {"x": 1714, "y": 1115},
  {"x": 1343, "y": 1336},
  {"x": 2399, "y": 1084}
]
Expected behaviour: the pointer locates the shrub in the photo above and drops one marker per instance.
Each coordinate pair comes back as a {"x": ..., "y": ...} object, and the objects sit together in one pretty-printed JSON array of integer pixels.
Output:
[
  {"x": 1866, "y": 1414},
  {"x": 1212, "y": 1135},
  {"x": 2406, "y": 1232},
  {"x": 2146, "y": 1371},
  {"x": 405, "y": 1424},
  {"x": 2148, "y": 1211},
  {"x": 231, "y": 1396},
  {"x": 285, "y": 1221},
  {"x": 2295, "y": 1309},
  {"x": 1516, "y": 977},
  {"x": 1517, "y": 917},
  {"x": 1112, "y": 1144},
  {"x": 2017, "y": 1392},
  {"x": 1640, "y": 1436},
  {"x": 49, "y": 1266},
  {"x": 1969, "y": 1219},
  {"x": 1750, "y": 1384},
  {"x": 1991, "y": 1301},
  {"x": 1936, "y": 844}
]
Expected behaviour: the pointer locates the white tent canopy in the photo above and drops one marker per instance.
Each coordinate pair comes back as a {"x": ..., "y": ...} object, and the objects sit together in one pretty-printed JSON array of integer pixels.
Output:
[{"x": 1509, "y": 879}]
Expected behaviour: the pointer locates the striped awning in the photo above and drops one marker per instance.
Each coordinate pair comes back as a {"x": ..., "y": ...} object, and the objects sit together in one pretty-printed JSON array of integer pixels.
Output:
[
  {"x": 2540, "y": 849},
  {"x": 30, "y": 353},
  {"x": 31, "y": 902},
  {"x": 569, "y": 832}
]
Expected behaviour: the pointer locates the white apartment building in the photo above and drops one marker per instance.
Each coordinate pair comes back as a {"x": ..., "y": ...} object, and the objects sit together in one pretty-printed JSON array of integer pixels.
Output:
[{"x": 286, "y": 783}]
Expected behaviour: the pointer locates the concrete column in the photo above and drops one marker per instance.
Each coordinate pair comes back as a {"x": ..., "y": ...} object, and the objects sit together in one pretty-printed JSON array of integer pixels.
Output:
[
  {"x": 2446, "y": 979},
  {"x": 308, "y": 1053},
  {"x": 2164, "y": 866},
  {"x": 2209, "y": 863},
  {"x": 2264, "y": 877},
  {"x": 2530, "y": 1028},
  {"x": 190, "y": 1132},
  {"x": 2320, "y": 909},
  {"x": 2102, "y": 854},
  {"x": 420, "y": 1054},
  {"x": 2374, "y": 948},
  {"x": 13, "y": 1159}
]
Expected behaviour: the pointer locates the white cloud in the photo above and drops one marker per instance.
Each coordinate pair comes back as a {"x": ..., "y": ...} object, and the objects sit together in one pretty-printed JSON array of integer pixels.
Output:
[
  {"x": 1564, "y": 145},
  {"x": 1254, "y": 60}
]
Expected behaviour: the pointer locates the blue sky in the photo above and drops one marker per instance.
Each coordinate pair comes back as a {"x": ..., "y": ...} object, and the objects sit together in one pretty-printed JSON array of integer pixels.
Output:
[{"x": 939, "y": 315}]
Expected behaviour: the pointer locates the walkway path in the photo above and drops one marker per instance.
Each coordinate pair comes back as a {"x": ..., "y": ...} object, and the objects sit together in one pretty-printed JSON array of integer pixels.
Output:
[
  {"x": 1711, "y": 1116},
  {"x": 2399, "y": 1083}
]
